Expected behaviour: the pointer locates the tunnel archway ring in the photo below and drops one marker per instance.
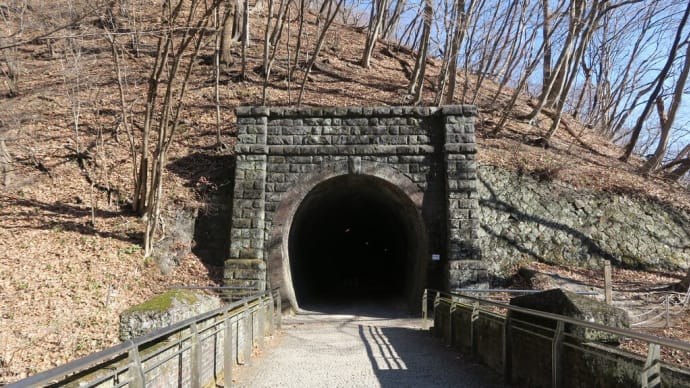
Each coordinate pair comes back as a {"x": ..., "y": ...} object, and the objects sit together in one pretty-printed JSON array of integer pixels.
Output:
[{"x": 412, "y": 197}]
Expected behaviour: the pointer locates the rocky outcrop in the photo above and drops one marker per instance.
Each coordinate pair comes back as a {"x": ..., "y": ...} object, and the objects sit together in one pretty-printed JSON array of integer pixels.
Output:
[
  {"x": 523, "y": 218},
  {"x": 570, "y": 304},
  {"x": 164, "y": 310},
  {"x": 178, "y": 240}
]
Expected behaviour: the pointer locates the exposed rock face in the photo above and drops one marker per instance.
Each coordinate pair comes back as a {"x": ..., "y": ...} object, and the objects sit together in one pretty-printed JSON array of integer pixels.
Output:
[
  {"x": 558, "y": 301},
  {"x": 164, "y": 310},
  {"x": 178, "y": 240},
  {"x": 526, "y": 219}
]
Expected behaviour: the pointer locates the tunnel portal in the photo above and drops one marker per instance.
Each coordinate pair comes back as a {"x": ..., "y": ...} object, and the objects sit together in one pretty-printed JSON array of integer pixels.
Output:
[
  {"x": 353, "y": 237},
  {"x": 344, "y": 202}
]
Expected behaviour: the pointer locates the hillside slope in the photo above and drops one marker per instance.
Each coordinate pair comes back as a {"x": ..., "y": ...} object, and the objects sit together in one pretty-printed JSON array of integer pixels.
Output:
[{"x": 70, "y": 257}]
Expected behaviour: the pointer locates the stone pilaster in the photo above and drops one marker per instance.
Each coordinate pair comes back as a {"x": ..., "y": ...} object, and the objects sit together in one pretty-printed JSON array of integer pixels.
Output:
[
  {"x": 464, "y": 267},
  {"x": 246, "y": 267}
]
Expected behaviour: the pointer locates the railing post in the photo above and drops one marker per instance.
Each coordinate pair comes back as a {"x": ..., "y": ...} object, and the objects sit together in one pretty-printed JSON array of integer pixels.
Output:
[
  {"x": 608, "y": 287},
  {"x": 271, "y": 315},
  {"x": 195, "y": 357},
  {"x": 249, "y": 333},
  {"x": 473, "y": 318},
  {"x": 227, "y": 350},
  {"x": 556, "y": 350},
  {"x": 450, "y": 332},
  {"x": 425, "y": 323},
  {"x": 262, "y": 322},
  {"x": 650, "y": 375},
  {"x": 136, "y": 369},
  {"x": 667, "y": 312},
  {"x": 437, "y": 301},
  {"x": 279, "y": 316},
  {"x": 507, "y": 350}
]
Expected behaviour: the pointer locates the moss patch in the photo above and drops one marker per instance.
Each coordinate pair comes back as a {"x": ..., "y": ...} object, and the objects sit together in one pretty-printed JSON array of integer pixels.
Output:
[{"x": 164, "y": 301}]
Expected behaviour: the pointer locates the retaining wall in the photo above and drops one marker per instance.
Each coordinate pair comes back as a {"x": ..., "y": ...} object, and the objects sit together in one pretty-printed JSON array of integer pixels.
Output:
[{"x": 526, "y": 357}]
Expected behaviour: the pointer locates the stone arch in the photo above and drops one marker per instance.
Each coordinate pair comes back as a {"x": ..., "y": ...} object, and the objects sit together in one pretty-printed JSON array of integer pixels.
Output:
[
  {"x": 398, "y": 186},
  {"x": 423, "y": 157}
]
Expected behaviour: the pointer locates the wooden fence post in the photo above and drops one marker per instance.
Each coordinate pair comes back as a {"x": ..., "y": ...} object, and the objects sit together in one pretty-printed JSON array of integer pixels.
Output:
[{"x": 608, "y": 287}]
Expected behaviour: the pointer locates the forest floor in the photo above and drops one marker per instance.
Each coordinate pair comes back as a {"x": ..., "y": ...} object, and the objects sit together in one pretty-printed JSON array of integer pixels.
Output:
[{"x": 70, "y": 256}]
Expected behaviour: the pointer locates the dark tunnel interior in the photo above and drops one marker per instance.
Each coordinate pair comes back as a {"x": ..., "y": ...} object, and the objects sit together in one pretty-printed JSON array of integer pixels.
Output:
[{"x": 351, "y": 238}]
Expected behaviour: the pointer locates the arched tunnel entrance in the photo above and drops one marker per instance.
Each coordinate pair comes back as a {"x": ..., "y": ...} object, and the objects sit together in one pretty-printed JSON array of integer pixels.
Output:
[{"x": 356, "y": 237}]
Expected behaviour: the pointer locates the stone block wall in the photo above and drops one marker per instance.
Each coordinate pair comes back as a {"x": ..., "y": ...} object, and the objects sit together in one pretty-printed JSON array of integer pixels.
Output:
[{"x": 428, "y": 153}]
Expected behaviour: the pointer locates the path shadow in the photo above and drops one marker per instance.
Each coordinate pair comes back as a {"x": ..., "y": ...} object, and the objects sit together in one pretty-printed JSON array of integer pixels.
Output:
[{"x": 407, "y": 357}]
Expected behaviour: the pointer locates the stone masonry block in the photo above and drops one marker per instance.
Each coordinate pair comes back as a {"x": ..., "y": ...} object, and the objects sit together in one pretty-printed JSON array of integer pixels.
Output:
[
  {"x": 280, "y": 147},
  {"x": 459, "y": 110}
]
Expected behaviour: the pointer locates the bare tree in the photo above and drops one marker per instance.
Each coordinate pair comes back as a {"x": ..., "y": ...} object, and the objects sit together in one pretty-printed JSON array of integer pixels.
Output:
[
  {"x": 390, "y": 25},
  {"x": 245, "y": 37},
  {"x": 331, "y": 13},
  {"x": 668, "y": 118},
  {"x": 9, "y": 61},
  {"x": 663, "y": 74},
  {"x": 378, "y": 11},
  {"x": 679, "y": 166},
  {"x": 73, "y": 83},
  {"x": 454, "y": 36},
  {"x": 227, "y": 33},
  {"x": 271, "y": 40},
  {"x": 5, "y": 157},
  {"x": 416, "y": 85},
  {"x": 175, "y": 58}
]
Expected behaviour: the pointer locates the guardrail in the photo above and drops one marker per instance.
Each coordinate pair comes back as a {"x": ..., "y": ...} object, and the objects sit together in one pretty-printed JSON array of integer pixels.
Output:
[
  {"x": 506, "y": 325},
  {"x": 230, "y": 332}
]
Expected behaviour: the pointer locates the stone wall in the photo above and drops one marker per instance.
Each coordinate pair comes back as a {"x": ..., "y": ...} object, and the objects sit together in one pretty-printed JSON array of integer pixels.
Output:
[
  {"x": 526, "y": 219},
  {"x": 427, "y": 153}
]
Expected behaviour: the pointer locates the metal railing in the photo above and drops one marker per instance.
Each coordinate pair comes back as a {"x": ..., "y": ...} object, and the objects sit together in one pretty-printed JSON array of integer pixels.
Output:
[
  {"x": 511, "y": 291},
  {"x": 650, "y": 375},
  {"x": 128, "y": 363},
  {"x": 665, "y": 308}
]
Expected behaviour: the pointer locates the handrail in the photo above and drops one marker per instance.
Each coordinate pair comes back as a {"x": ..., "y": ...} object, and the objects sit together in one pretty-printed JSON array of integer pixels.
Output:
[
  {"x": 679, "y": 345},
  {"x": 83, "y": 364},
  {"x": 513, "y": 291}
]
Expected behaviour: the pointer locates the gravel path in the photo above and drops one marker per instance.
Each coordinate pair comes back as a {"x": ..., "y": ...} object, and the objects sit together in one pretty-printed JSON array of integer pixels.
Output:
[{"x": 371, "y": 346}]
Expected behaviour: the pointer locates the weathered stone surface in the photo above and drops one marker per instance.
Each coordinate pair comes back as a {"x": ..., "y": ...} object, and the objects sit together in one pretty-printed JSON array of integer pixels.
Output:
[
  {"x": 523, "y": 218},
  {"x": 569, "y": 304},
  {"x": 421, "y": 150},
  {"x": 164, "y": 310},
  {"x": 178, "y": 240},
  {"x": 467, "y": 273}
]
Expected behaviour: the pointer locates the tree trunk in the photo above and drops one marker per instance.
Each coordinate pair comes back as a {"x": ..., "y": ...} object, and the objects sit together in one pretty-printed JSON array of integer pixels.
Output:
[
  {"x": 416, "y": 85},
  {"x": 374, "y": 31},
  {"x": 460, "y": 28},
  {"x": 681, "y": 168},
  {"x": 329, "y": 20},
  {"x": 667, "y": 120},
  {"x": 245, "y": 37},
  {"x": 392, "y": 23},
  {"x": 545, "y": 28},
  {"x": 227, "y": 39},
  {"x": 637, "y": 129}
]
